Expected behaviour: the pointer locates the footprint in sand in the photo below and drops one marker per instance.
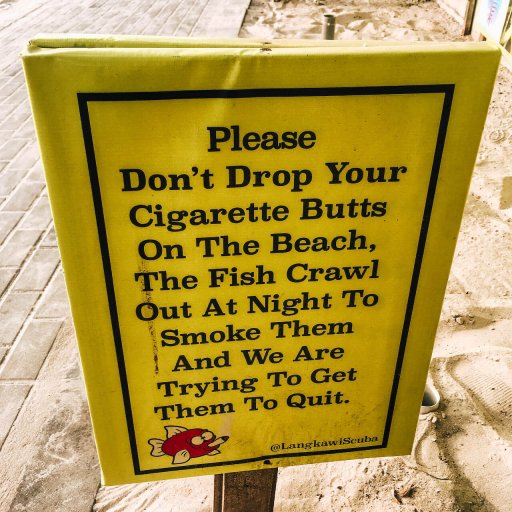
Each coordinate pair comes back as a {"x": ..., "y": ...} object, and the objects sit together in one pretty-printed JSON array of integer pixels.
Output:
[
  {"x": 474, "y": 430},
  {"x": 491, "y": 393}
]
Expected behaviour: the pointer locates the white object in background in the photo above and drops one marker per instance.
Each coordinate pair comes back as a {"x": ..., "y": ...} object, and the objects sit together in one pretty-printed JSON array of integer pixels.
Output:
[{"x": 431, "y": 399}]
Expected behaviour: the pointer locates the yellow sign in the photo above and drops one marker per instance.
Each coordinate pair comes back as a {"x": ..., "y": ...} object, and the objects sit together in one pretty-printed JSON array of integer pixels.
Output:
[{"x": 256, "y": 239}]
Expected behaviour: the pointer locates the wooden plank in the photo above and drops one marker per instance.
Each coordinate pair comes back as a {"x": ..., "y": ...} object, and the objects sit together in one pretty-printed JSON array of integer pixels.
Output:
[
  {"x": 469, "y": 16},
  {"x": 246, "y": 491}
]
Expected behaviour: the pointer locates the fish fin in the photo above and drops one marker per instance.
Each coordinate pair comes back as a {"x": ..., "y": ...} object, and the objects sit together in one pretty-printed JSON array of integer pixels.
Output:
[
  {"x": 172, "y": 430},
  {"x": 157, "y": 447},
  {"x": 215, "y": 452},
  {"x": 181, "y": 457},
  {"x": 219, "y": 440}
]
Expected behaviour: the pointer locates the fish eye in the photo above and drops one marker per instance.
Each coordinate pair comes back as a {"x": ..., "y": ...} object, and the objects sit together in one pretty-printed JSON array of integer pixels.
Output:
[
  {"x": 197, "y": 440},
  {"x": 207, "y": 435}
]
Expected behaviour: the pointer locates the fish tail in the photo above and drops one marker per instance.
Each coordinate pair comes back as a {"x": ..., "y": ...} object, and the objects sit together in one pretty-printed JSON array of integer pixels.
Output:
[{"x": 157, "y": 447}]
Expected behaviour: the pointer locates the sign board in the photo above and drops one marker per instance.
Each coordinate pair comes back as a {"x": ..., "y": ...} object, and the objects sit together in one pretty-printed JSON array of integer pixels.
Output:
[
  {"x": 490, "y": 18},
  {"x": 256, "y": 238}
]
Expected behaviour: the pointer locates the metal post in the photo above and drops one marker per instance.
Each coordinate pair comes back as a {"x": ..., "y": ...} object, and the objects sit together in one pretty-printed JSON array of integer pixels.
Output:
[
  {"x": 328, "y": 26},
  {"x": 246, "y": 491}
]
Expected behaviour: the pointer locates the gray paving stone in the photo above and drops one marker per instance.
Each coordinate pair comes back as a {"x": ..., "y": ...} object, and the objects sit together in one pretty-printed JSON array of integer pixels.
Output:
[
  {"x": 26, "y": 158},
  {"x": 59, "y": 470},
  {"x": 70, "y": 18},
  {"x": 6, "y": 275},
  {"x": 28, "y": 354},
  {"x": 54, "y": 302},
  {"x": 37, "y": 173},
  {"x": 5, "y": 110},
  {"x": 26, "y": 130},
  {"x": 24, "y": 195},
  {"x": 23, "y": 11},
  {"x": 18, "y": 97},
  {"x": 50, "y": 239},
  {"x": 19, "y": 247},
  {"x": 13, "y": 313},
  {"x": 38, "y": 270},
  {"x": 17, "y": 118},
  {"x": 141, "y": 25},
  {"x": 39, "y": 215},
  {"x": 12, "y": 68},
  {"x": 221, "y": 19},
  {"x": 7, "y": 222},
  {"x": 19, "y": 76},
  {"x": 8, "y": 181},
  {"x": 48, "y": 461},
  {"x": 8, "y": 88},
  {"x": 63, "y": 362},
  {"x": 189, "y": 22},
  {"x": 12, "y": 397},
  {"x": 10, "y": 149},
  {"x": 173, "y": 17}
]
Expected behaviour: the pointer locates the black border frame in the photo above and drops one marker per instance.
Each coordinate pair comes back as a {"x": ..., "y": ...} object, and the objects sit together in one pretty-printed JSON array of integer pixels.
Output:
[{"x": 84, "y": 98}]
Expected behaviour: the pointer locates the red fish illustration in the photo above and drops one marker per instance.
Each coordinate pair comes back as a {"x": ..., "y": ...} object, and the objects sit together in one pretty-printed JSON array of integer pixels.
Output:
[{"x": 183, "y": 444}]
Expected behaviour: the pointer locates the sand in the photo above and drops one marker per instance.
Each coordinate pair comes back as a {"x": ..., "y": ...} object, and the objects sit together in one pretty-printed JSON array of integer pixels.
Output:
[{"x": 462, "y": 458}]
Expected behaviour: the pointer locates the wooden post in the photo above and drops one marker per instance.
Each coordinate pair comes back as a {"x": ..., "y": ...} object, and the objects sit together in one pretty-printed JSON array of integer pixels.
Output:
[
  {"x": 246, "y": 491},
  {"x": 469, "y": 16}
]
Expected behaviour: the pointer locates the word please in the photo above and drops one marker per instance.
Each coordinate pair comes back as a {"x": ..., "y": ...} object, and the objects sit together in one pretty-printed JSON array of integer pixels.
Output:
[{"x": 251, "y": 141}]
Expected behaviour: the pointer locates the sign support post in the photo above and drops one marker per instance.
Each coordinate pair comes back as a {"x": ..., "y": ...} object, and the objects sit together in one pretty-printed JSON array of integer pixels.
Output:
[{"x": 248, "y": 491}]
